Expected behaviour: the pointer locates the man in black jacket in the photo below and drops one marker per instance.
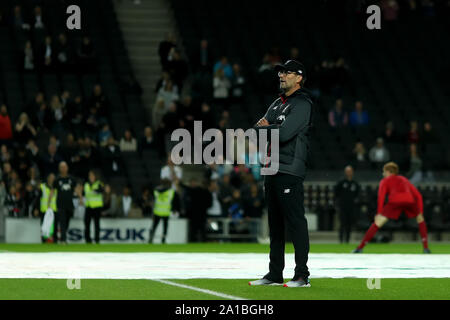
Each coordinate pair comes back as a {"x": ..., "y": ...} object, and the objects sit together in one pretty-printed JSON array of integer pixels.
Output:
[{"x": 291, "y": 114}]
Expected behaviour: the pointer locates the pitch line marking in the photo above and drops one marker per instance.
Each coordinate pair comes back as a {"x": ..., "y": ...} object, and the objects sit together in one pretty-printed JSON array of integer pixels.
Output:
[{"x": 214, "y": 293}]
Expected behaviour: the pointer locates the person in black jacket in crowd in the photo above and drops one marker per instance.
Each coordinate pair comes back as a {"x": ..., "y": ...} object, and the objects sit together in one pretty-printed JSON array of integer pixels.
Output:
[
  {"x": 291, "y": 114},
  {"x": 197, "y": 200},
  {"x": 346, "y": 194}
]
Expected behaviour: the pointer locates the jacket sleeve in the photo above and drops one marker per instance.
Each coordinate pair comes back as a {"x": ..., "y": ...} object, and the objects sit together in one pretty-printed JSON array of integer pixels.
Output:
[
  {"x": 295, "y": 121},
  {"x": 417, "y": 196},
  {"x": 381, "y": 195}
]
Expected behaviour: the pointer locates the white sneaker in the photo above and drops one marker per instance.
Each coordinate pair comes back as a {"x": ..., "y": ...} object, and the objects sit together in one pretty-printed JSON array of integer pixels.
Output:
[
  {"x": 264, "y": 282},
  {"x": 300, "y": 283}
]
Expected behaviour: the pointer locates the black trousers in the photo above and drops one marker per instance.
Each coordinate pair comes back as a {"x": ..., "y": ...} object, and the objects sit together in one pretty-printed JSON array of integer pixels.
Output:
[
  {"x": 197, "y": 229},
  {"x": 284, "y": 196},
  {"x": 346, "y": 217},
  {"x": 62, "y": 220},
  {"x": 92, "y": 213},
  {"x": 156, "y": 220}
]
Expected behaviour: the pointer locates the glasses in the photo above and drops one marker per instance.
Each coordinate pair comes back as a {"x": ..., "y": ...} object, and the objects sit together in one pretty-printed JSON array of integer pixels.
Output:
[{"x": 284, "y": 72}]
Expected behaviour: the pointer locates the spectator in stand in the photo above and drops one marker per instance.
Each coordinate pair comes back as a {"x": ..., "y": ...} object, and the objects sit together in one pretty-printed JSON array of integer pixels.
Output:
[
  {"x": 18, "y": 20},
  {"x": 222, "y": 86},
  {"x": 164, "y": 49},
  {"x": 428, "y": 135},
  {"x": 92, "y": 122},
  {"x": 5, "y": 126},
  {"x": 5, "y": 154},
  {"x": 206, "y": 117},
  {"x": 64, "y": 54},
  {"x": 109, "y": 202},
  {"x": 294, "y": 54},
  {"x": 177, "y": 67},
  {"x": 254, "y": 204},
  {"x": 360, "y": 160},
  {"x": 165, "y": 78},
  {"x": 188, "y": 113},
  {"x": 414, "y": 174},
  {"x": 413, "y": 133},
  {"x": 32, "y": 108},
  {"x": 237, "y": 84},
  {"x": 65, "y": 100},
  {"x": 58, "y": 116},
  {"x": 22, "y": 163},
  {"x": 47, "y": 54},
  {"x": 216, "y": 209},
  {"x": 266, "y": 64},
  {"x": 390, "y": 136},
  {"x": 70, "y": 151},
  {"x": 33, "y": 151},
  {"x": 45, "y": 117},
  {"x": 14, "y": 202},
  {"x": 171, "y": 171},
  {"x": 378, "y": 155},
  {"x": 28, "y": 57},
  {"x": 359, "y": 117},
  {"x": 168, "y": 94},
  {"x": 100, "y": 101},
  {"x": 390, "y": 9},
  {"x": 203, "y": 59},
  {"x": 145, "y": 202},
  {"x": 104, "y": 135},
  {"x": 337, "y": 117},
  {"x": 76, "y": 115},
  {"x": 111, "y": 158},
  {"x": 274, "y": 55},
  {"x": 49, "y": 162},
  {"x": 31, "y": 201},
  {"x": 86, "y": 54},
  {"x": 197, "y": 200},
  {"x": 236, "y": 213},
  {"x": 341, "y": 76},
  {"x": 24, "y": 130},
  {"x": 38, "y": 21},
  {"x": 126, "y": 206},
  {"x": 128, "y": 142},
  {"x": 171, "y": 121},
  {"x": 225, "y": 66},
  {"x": 147, "y": 142}
]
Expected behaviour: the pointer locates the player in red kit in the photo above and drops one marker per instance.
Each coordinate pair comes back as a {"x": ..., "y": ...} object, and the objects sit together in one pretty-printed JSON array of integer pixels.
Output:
[{"x": 402, "y": 197}]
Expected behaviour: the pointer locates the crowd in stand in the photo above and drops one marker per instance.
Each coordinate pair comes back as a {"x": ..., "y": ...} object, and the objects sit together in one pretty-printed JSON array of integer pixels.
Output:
[
  {"x": 77, "y": 130},
  {"x": 226, "y": 190}
]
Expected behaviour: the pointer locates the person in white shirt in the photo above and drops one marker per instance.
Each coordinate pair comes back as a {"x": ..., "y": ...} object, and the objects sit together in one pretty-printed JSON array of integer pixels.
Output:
[
  {"x": 171, "y": 172},
  {"x": 128, "y": 142},
  {"x": 379, "y": 154}
]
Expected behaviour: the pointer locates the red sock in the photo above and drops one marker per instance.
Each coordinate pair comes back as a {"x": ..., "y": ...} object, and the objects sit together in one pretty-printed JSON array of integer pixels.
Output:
[
  {"x": 424, "y": 234},
  {"x": 369, "y": 235}
]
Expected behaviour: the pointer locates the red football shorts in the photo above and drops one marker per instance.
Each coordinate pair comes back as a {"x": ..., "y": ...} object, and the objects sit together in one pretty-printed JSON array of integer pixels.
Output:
[{"x": 394, "y": 210}]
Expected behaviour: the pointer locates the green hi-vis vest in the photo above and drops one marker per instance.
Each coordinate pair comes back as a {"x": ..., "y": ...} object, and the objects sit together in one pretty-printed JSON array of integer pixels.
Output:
[
  {"x": 44, "y": 198},
  {"x": 93, "y": 199},
  {"x": 163, "y": 202}
]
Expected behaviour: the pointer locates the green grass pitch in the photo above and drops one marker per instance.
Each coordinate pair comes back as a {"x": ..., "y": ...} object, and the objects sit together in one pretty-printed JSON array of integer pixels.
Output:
[{"x": 324, "y": 288}]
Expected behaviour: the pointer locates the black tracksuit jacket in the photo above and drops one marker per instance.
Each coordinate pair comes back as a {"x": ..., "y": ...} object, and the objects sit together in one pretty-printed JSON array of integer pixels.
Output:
[{"x": 293, "y": 116}]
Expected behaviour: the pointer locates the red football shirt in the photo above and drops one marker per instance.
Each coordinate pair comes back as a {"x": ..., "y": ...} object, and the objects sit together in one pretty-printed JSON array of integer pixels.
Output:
[{"x": 399, "y": 191}]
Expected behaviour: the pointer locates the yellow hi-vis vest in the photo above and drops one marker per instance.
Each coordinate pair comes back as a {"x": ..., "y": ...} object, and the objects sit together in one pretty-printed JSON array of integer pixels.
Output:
[
  {"x": 44, "y": 198},
  {"x": 163, "y": 202},
  {"x": 93, "y": 199}
]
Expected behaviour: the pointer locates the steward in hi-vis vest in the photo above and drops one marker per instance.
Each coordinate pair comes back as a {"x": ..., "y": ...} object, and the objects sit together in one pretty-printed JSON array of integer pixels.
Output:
[
  {"x": 46, "y": 202},
  {"x": 93, "y": 201},
  {"x": 166, "y": 201}
]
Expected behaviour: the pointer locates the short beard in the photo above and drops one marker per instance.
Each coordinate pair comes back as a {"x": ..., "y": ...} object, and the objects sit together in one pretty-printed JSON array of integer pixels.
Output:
[{"x": 284, "y": 90}]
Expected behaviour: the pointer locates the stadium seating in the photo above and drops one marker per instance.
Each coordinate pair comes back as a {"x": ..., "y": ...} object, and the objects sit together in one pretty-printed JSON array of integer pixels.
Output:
[{"x": 385, "y": 73}]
